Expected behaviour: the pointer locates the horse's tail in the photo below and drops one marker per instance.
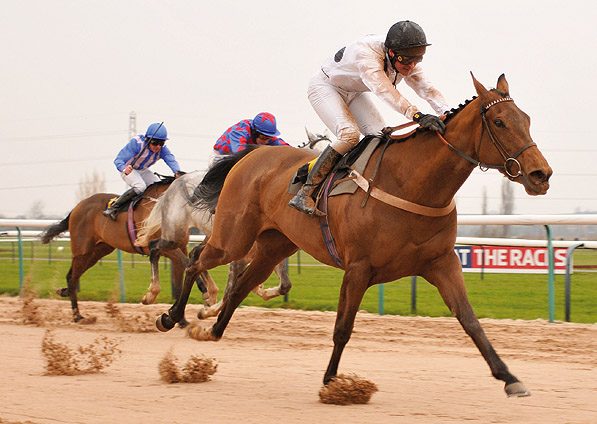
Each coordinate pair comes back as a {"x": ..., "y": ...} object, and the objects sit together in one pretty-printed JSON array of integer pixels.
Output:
[
  {"x": 151, "y": 224},
  {"x": 54, "y": 230},
  {"x": 208, "y": 191}
]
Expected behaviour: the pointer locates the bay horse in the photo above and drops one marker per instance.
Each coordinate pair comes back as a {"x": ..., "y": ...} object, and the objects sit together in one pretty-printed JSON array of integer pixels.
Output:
[
  {"x": 174, "y": 215},
  {"x": 93, "y": 236},
  {"x": 406, "y": 227}
]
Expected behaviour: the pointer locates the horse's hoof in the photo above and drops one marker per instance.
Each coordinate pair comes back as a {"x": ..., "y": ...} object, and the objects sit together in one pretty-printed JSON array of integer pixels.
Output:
[
  {"x": 164, "y": 323},
  {"x": 63, "y": 292},
  {"x": 148, "y": 299},
  {"x": 183, "y": 324},
  {"x": 81, "y": 320},
  {"x": 202, "y": 314},
  {"x": 198, "y": 332},
  {"x": 516, "y": 389}
]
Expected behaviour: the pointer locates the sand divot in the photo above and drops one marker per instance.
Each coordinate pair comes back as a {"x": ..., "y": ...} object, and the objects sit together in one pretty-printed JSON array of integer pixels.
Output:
[
  {"x": 131, "y": 323},
  {"x": 347, "y": 390},
  {"x": 91, "y": 359},
  {"x": 196, "y": 370}
]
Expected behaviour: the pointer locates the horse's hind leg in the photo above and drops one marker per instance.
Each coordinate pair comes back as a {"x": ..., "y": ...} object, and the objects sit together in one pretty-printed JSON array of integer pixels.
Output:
[
  {"x": 235, "y": 268},
  {"x": 446, "y": 275},
  {"x": 80, "y": 264},
  {"x": 210, "y": 290},
  {"x": 283, "y": 288},
  {"x": 156, "y": 248}
]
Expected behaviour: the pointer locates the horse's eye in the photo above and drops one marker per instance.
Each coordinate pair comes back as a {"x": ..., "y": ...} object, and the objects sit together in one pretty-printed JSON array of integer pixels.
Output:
[{"x": 498, "y": 123}]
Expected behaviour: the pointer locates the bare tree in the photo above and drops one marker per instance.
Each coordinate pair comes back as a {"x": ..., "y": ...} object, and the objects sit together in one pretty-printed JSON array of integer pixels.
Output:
[
  {"x": 91, "y": 185},
  {"x": 483, "y": 231},
  {"x": 36, "y": 211},
  {"x": 507, "y": 203}
]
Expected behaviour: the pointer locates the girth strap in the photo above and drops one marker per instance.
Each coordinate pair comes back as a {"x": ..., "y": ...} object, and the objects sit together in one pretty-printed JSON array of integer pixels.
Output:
[
  {"x": 399, "y": 203},
  {"x": 325, "y": 224},
  {"x": 131, "y": 229}
]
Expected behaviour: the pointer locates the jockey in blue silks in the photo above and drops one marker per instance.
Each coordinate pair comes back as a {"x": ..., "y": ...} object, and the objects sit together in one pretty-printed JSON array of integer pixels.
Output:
[{"x": 133, "y": 162}]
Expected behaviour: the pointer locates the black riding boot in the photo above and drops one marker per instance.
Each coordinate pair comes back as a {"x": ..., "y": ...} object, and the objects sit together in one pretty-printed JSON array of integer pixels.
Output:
[
  {"x": 112, "y": 211},
  {"x": 303, "y": 201}
]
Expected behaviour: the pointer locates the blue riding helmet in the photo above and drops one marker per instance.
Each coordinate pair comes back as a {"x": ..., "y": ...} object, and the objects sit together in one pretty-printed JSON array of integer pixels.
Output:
[
  {"x": 158, "y": 131},
  {"x": 265, "y": 123}
]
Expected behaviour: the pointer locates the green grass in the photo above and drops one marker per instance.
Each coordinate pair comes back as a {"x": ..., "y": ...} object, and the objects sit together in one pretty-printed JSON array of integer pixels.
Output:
[{"x": 515, "y": 296}]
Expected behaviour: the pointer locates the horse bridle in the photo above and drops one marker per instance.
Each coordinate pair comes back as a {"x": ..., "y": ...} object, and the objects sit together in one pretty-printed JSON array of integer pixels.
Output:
[
  {"x": 509, "y": 160},
  {"x": 312, "y": 143}
]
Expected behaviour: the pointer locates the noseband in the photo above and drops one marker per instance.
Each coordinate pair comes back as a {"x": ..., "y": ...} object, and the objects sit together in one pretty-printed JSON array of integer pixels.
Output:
[{"x": 509, "y": 160}]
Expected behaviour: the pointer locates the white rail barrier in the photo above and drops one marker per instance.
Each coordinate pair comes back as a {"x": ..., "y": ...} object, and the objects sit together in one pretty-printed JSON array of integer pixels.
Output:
[{"x": 545, "y": 220}]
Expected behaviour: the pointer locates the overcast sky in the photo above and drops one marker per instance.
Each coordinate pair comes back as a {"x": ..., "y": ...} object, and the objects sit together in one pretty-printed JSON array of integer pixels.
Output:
[{"x": 73, "y": 71}]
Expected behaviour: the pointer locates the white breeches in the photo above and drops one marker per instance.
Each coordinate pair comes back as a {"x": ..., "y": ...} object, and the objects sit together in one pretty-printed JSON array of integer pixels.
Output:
[
  {"x": 139, "y": 179},
  {"x": 346, "y": 114}
]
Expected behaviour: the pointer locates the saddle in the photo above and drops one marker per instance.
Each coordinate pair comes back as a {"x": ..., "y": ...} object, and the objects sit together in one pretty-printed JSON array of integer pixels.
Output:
[
  {"x": 356, "y": 158},
  {"x": 164, "y": 179}
]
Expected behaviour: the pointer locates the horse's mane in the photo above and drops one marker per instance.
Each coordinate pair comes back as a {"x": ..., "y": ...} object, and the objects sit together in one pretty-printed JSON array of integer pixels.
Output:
[
  {"x": 207, "y": 192},
  {"x": 163, "y": 179}
]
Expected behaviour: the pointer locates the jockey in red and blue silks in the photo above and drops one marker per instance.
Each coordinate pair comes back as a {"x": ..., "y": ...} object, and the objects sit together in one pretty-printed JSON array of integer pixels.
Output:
[{"x": 259, "y": 130}]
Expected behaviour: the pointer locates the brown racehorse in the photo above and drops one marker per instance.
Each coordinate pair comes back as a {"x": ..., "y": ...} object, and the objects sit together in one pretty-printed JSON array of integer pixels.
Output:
[
  {"x": 377, "y": 242},
  {"x": 93, "y": 236}
]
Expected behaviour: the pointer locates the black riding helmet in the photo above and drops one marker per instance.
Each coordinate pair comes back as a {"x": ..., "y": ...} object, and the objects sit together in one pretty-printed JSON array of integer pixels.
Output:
[{"x": 407, "y": 41}]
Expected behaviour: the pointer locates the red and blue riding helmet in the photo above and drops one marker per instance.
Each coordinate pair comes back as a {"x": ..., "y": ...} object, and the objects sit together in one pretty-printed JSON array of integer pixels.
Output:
[{"x": 265, "y": 123}]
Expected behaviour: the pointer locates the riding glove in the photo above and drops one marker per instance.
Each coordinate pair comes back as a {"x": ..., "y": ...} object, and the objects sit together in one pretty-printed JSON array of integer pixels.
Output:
[{"x": 429, "y": 121}]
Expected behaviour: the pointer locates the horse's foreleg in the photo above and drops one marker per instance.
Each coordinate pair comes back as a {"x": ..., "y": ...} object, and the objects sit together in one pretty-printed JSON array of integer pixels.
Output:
[
  {"x": 354, "y": 285},
  {"x": 446, "y": 275},
  {"x": 175, "y": 314},
  {"x": 269, "y": 251}
]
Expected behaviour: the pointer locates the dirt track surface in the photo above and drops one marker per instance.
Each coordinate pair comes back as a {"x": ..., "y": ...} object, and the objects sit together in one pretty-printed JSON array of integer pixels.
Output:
[{"x": 271, "y": 363}]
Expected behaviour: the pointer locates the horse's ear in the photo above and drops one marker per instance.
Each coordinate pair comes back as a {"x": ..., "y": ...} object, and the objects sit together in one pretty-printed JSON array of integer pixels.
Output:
[
  {"x": 310, "y": 135},
  {"x": 327, "y": 133},
  {"x": 502, "y": 85},
  {"x": 481, "y": 90}
]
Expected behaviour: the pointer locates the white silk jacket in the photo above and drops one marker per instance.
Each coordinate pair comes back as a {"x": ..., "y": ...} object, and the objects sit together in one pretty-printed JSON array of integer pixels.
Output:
[{"x": 362, "y": 67}]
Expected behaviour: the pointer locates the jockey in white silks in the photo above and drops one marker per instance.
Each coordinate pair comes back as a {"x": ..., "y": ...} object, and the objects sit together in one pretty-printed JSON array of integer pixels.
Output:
[{"x": 339, "y": 94}]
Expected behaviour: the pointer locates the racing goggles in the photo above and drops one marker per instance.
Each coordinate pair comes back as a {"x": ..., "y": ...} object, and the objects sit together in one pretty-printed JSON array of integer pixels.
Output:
[
  {"x": 157, "y": 142},
  {"x": 407, "y": 60}
]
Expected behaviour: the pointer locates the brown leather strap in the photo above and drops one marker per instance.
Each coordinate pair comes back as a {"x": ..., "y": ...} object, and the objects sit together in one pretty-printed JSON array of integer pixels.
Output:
[{"x": 399, "y": 203}]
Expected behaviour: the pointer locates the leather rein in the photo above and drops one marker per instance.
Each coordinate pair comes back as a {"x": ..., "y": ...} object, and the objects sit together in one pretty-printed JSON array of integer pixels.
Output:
[
  {"x": 509, "y": 160},
  {"x": 311, "y": 143}
]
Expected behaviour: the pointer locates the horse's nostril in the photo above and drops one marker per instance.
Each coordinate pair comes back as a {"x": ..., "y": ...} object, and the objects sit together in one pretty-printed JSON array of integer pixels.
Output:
[{"x": 539, "y": 176}]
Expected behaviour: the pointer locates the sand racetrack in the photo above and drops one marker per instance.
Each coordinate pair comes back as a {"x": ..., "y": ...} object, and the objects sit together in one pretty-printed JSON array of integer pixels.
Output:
[{"x": 271, "y": 363}]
